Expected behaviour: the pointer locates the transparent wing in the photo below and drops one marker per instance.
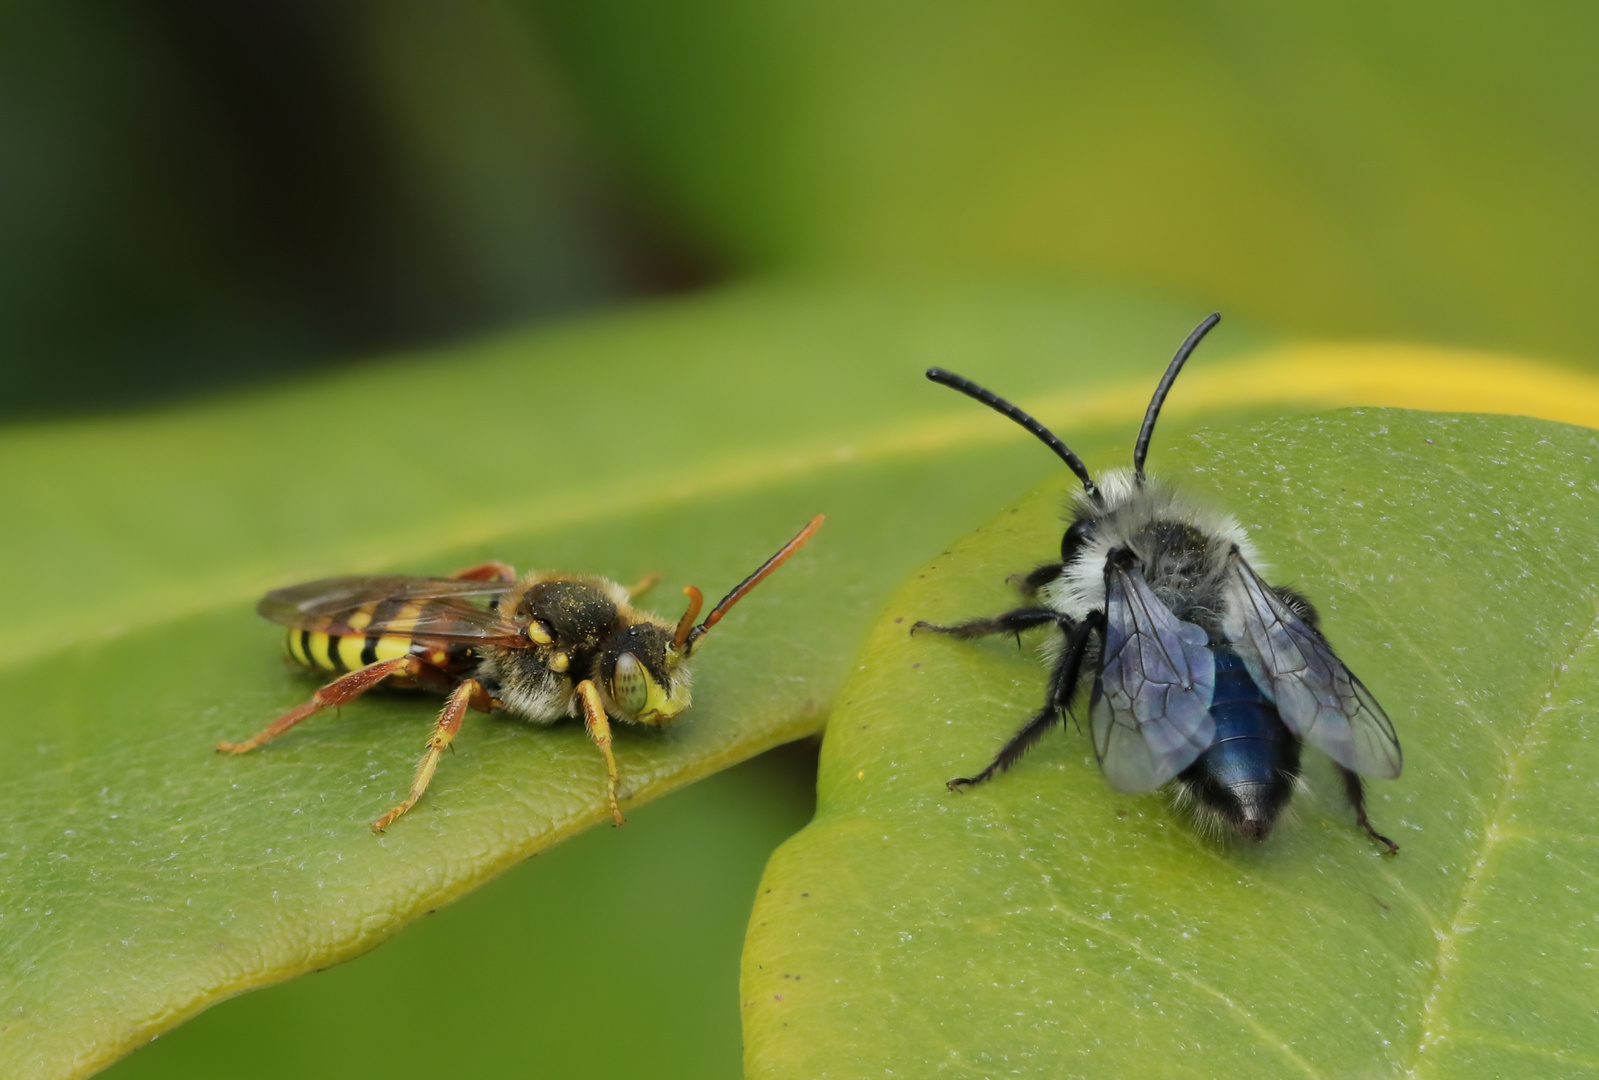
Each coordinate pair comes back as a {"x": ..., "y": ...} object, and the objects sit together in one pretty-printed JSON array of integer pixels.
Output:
[
  {"x": 444, "y": 609},
  {"x": 1157, "y": 677},
  {"x": 1318, "y": 697}
]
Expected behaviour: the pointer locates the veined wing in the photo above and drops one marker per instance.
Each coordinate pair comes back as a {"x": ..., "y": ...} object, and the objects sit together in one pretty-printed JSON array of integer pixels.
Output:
[
  {"x": 1157, "y": 677},
  {"x": 1318, "y": 697},
  {"x": 443, "y": 609}
]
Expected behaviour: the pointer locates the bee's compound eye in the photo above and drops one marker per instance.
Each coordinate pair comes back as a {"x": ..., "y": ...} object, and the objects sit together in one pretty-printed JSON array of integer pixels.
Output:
[
  {"x": 630, "y": 686},
  {"x": 1077, "y": 535}
]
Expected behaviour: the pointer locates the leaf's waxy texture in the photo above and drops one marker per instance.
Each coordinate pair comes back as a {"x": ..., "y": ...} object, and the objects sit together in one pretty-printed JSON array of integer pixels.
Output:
[
  {"x": 143, "y": 877},
  {"x": 1043, "y": 925}
]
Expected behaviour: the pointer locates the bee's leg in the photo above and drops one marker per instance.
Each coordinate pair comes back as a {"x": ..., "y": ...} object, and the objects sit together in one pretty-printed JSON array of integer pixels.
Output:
[
  {"x": 1012, "y": 622},
  {"x": 493, "y": 570},
  {"x": 345, "y": 688},
  {"x": 599, "y": 727},
  {"x": 1356, "y": 793},
  {"x": 642, "y": 586},
  {"x": 1029, "y": 583},
  {"x": 471, "y": 693},
  {"x": 1077, "y": 642},
  {"x": 1062, "y": 688}
]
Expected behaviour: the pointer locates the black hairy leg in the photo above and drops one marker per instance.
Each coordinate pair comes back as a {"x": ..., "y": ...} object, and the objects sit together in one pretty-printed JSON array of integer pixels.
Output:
[
  {"x": 1028, "y": 584},
  {"x": 1012, "y": 622},
  {"x": 1355, "y": 791},
  {"x": 1062, "y": 688}
]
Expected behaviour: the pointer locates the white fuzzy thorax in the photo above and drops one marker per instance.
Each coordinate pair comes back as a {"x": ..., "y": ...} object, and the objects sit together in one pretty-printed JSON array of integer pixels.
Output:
[{"x": 1127, "y": 508}]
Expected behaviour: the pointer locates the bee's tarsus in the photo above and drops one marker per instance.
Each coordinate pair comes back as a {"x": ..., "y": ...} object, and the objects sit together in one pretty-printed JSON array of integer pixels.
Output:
[
  {"x": 469, "y": 693},
  {"x": 1011, "y": 622}
]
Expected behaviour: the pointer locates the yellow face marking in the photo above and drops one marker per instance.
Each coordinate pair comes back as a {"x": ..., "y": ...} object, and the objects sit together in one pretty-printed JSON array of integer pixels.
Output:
[
  {"x": 538, "y": 633},
  {"x": 392, "y": 647},
  {"x": 558, "y": 662},
  {"x": 660, "y": 707}
]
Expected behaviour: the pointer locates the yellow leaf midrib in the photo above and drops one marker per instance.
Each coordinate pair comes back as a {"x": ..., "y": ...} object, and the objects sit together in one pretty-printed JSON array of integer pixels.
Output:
[{"x": 1295, "y": 377}]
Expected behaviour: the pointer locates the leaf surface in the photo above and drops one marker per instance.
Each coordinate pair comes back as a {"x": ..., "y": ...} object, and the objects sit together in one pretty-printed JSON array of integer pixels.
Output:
[
  {"x": 145, "y": 878},
  {"x": 1043, "y": 925}
]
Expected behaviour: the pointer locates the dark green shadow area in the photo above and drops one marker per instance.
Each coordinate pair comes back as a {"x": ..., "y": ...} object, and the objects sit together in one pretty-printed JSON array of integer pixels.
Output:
[{"x": 614, "y": 954}]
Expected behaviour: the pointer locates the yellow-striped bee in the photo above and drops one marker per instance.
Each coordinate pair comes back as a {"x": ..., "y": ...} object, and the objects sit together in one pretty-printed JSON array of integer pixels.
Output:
[{"x": 542, "y": 647}]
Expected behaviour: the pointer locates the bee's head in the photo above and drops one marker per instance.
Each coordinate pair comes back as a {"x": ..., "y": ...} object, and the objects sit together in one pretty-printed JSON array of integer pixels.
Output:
[
  {"x": 643, "y": 673},
  {"x": 644, "y": 667}
]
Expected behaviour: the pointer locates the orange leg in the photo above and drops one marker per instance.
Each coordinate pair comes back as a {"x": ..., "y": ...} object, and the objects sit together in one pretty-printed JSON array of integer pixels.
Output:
[
  {"x": 600, "y": 731},
  {"x": 642, "y": 586},
  {"x": 489, "y": 571},
  {"x": 344, "y": 689},
  {"x": 471, "y": 693}
]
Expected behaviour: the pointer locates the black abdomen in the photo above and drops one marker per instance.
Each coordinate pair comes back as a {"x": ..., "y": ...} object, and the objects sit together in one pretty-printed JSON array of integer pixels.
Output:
[{"x": 1247, "y": 776}]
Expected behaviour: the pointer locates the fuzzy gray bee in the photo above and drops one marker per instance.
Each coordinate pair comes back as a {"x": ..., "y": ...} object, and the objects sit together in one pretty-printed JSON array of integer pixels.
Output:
[{"x": 1203, "y": 672}]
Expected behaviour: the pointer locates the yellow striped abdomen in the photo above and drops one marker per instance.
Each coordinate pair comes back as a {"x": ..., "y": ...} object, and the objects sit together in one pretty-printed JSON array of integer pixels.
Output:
[{"x": 347, "y": 649}]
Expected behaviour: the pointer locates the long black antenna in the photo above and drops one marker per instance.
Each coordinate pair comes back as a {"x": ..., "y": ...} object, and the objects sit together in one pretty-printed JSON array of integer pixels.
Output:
[
  {"x": 1145, "y": 433},
  {"x": 1005, "y": 408}
]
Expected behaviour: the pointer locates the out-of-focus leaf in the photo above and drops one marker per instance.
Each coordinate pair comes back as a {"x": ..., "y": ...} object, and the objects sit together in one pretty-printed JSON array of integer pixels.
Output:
[
  {"x": 1043, "y": 925},
  {"x": 1361, "y": 168}
]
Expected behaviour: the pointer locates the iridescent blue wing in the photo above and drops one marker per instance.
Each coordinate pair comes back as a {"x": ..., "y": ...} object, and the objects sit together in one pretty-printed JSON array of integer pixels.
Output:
[
  {"x": 1318, "y": 697},
  {"x": 1151, "y": 717}
]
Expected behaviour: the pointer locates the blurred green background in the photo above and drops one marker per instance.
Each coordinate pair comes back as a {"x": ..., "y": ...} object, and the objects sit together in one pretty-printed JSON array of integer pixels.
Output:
[{"x": 199, "y": 197}]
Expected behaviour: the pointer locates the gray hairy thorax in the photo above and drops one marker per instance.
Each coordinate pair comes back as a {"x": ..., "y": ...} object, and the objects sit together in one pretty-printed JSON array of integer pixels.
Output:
[
  {"x": 1183, "y": 568},
  {"x": 1180, "y": 546}
]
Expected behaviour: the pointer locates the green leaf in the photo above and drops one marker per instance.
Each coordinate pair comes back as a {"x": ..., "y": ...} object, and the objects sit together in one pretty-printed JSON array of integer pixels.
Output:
[
  {"x": 1043, "y": 925},
  {"x": 145, "y": 877},
  {"x": 613, "y": 954}
]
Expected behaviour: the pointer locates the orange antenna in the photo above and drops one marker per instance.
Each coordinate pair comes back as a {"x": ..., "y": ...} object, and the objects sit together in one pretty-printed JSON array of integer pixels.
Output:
[
  {"x": 753, "y": 580},
  {"x": 696, "y": 600}
]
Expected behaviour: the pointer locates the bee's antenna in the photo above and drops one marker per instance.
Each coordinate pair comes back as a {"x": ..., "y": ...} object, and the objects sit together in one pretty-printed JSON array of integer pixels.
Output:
[
  {"x": 1145, "y": 433},
  {"x": 1005, "y": 408},
  {"x": 747, "y": 584},
  {"x": 696, "y": 600}
]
